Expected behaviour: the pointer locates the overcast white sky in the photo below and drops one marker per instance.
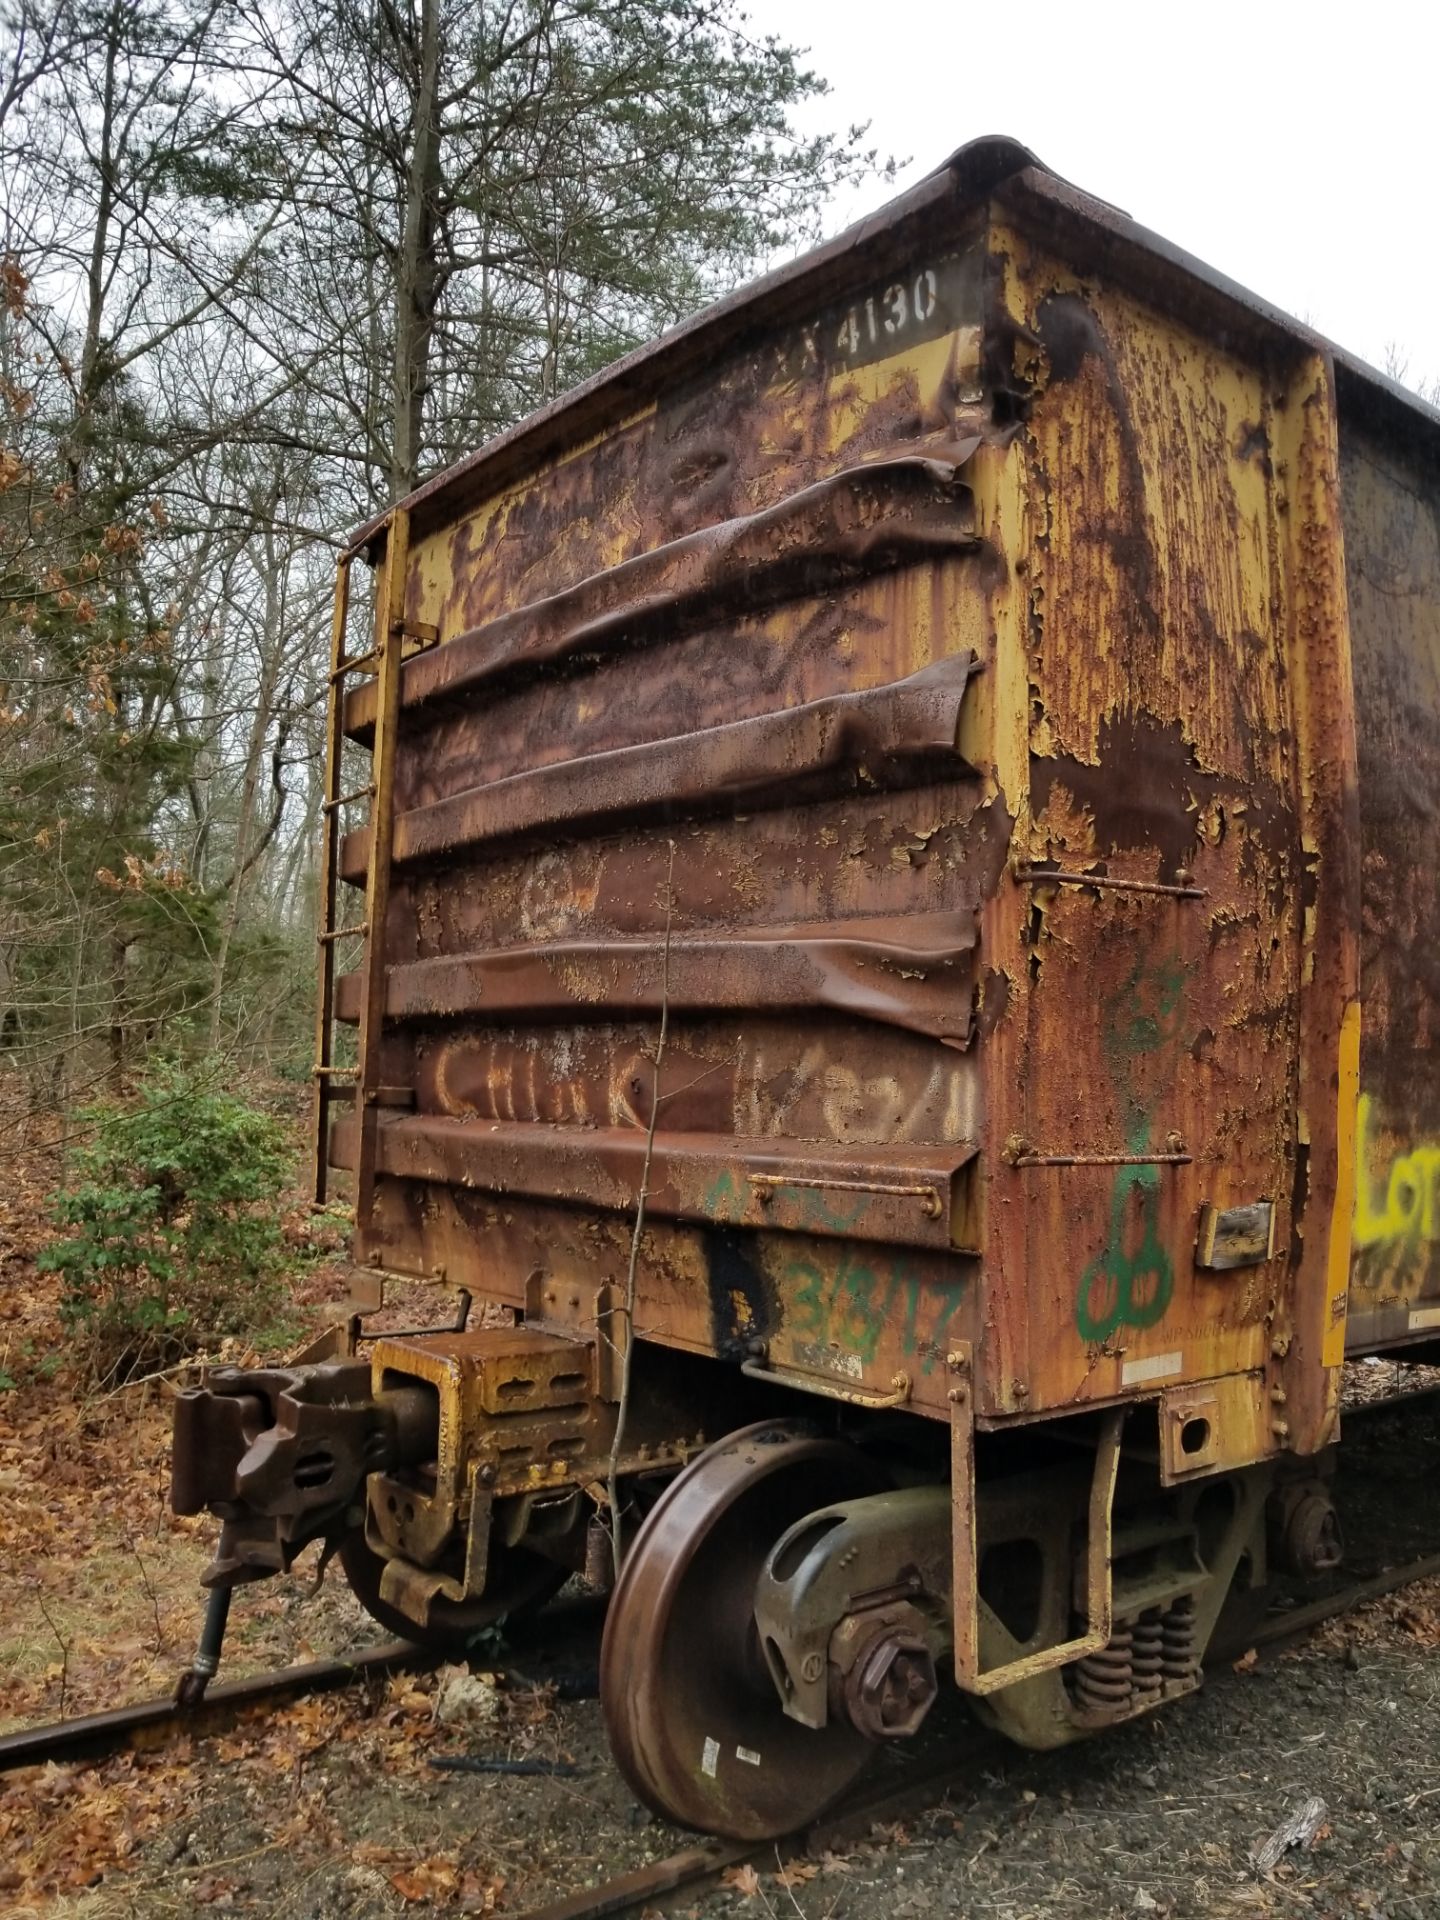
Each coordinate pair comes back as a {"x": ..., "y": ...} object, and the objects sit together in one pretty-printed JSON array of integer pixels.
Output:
[{"x": 1295, "y": 147}]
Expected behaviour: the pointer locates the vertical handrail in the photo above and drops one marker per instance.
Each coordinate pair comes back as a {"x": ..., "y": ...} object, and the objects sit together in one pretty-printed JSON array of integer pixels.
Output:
[
  {"x": 329, "y": 881},
  {"x": 389, "y": 652}
]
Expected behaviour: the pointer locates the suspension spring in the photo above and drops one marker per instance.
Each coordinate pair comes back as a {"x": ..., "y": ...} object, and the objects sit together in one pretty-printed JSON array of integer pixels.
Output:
[
  {"x": 1179, "y": 1660},
  {"x": 1148, "y": 1657},
  {"x": 1103, "y": 1680}
]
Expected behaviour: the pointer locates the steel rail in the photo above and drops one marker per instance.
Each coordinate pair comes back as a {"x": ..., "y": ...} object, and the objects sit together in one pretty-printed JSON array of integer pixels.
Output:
[
  {"x": 1281, "y": 1628},
  {"x": 149, "y": 1723},
  {"x": 916, "y": 1788},
  {"x": 919, "y": 1787}
]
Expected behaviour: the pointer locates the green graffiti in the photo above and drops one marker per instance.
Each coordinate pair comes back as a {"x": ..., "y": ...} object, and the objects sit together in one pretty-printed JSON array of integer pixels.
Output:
[
  {"x": 728, "y": 1202},
  {"x": 1131, "y": 1281},
  {"x": 851, "y": 1305},
  {"x": 1140, "y": 1017},
  {"x": 819, "y": 1212},
  {"x": 723, "y": 1201},
  {"x": 930, "y": 1348},
  {"x": 1127, "y": 1285}
]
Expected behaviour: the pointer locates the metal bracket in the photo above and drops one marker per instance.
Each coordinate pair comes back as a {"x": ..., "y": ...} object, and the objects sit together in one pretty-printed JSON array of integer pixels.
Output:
[
  {"x": 841, "y": 1561},
  {"x": 872, "y": 1398},
  {"x": 1098, "y": 1548}
]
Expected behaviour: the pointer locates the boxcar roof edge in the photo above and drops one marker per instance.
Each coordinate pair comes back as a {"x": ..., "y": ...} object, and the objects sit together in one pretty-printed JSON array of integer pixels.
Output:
[{"x": 992, "y": 165}]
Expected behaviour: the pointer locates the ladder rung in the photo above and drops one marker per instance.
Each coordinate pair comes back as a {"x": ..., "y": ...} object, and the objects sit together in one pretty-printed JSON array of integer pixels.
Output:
[
  {"x": 391, "y": 1096},
  {"x": 323, "y": 1070},
  {"x": 344, "y": 933},
  {"x": 360, "y": 663},
  {"x": 374, "y": 1096},
  {"x": 344, "y": 799}
]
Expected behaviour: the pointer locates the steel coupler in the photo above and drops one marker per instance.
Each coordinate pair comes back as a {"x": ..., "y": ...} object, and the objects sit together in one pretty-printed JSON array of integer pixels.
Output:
[{"x": 280, "y": 1455}]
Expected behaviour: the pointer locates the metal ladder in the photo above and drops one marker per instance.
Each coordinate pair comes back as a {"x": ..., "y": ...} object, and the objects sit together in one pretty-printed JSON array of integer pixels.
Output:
[{"x": 383, "y": 661}]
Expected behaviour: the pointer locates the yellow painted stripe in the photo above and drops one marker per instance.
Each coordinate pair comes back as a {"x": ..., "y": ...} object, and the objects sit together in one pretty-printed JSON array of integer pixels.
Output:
[{"x": 1332, "y": 1350}]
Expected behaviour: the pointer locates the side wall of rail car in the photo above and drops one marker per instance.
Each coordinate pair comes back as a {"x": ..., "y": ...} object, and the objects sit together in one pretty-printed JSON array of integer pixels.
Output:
[{"x": 1391, "y": 505}]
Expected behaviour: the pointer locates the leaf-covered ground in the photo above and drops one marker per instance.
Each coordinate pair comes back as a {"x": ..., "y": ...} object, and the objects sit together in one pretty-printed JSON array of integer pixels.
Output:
[
  {"x": 330, "y": 1807},
  {"x": 98, "y": 1595}
]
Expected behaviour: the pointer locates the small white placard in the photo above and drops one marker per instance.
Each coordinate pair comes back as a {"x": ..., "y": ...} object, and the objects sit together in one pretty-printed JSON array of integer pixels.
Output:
[
  {"x": 709, "y": 1757},
  {"x": 748, "y": 1755},
  {"x": 1159, "y": 1367},
  {"x": 1424, "y": 1317}
]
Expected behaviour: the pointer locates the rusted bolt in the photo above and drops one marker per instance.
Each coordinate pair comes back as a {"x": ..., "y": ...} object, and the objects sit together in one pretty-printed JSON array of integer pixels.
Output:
[
  {"x": 891, "y": 1687},
  {"x": 755, "y": 1349},
  {"x": 1280, "y": 1429},
  {"x": 1019, "y": 1389},
  {"x": 958, "y": 1395},
  {"x": 955, "y": 1362},
  {"x": 486, "y": 1475},
  {"x": 1278, "y": 1395}
]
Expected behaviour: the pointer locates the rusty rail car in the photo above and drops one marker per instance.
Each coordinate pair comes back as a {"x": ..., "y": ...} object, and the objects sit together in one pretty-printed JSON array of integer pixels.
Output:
[{"x": 900, "y": 944}]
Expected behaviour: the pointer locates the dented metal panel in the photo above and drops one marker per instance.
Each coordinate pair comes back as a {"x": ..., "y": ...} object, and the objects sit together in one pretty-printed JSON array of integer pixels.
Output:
[
  {"x": 691, "y": 744},
  {"x": 926, "y": 683}
]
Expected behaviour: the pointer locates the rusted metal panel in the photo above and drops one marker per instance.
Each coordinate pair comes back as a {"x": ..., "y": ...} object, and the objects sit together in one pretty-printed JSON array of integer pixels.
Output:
[
  {"x": 864, "y": 520},
  {"x": 1150, "y": 642},
  {"x": 926, "y": 682},
  {"x": 1390, "y": 495},
  {"x": 916, "y": 975},
  {"x": 691, "y": 742},
  {"x": 888, "y": 736}
]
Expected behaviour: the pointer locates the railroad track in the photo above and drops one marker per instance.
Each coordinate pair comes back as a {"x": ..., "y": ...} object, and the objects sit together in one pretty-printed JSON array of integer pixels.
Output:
[
  {"x": 152, "y": 1723},
  {"x": 913, "y": 1789},
  {"x": 895, "y": 1793},
  {"x": 890, "y": 1793},
  {"x": 149, "y": 1724}
]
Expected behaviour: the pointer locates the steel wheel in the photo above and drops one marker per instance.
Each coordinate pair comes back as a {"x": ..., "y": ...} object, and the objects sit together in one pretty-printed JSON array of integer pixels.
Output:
[
  {"x": 693, "y": 1717},
  {"x": 518, "y": 1582}
]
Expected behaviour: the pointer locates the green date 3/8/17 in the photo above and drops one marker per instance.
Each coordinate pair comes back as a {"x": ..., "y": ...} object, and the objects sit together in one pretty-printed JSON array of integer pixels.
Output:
[{"x": 852, "y": 1304}]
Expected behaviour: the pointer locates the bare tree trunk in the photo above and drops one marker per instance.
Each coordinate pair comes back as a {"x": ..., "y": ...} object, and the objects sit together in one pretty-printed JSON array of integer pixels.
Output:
[
  {"x": 417, "y": 278},
  {"x": 92, "y": 377},
  {"x": 276, "y": 610}
]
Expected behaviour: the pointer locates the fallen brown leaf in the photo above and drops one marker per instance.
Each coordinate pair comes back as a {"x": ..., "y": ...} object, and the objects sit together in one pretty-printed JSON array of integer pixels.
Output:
[{"x": 742, "y": 1879}]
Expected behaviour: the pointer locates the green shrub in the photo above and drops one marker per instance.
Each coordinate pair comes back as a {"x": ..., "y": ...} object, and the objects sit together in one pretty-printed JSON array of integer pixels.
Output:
[{"x": 170, "y": 1223}]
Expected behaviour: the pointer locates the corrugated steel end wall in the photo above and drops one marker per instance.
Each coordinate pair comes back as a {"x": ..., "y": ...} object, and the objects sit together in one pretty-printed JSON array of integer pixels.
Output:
[{"x": 936, "y": 704}]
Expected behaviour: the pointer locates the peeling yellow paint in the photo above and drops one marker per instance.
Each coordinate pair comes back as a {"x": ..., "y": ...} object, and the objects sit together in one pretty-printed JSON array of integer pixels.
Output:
[{"x": 1332, "y": 1349}]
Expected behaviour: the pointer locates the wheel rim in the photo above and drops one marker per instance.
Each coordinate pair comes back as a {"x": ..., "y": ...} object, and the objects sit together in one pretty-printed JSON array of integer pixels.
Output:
[{"x": 694, "y": 1720}]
